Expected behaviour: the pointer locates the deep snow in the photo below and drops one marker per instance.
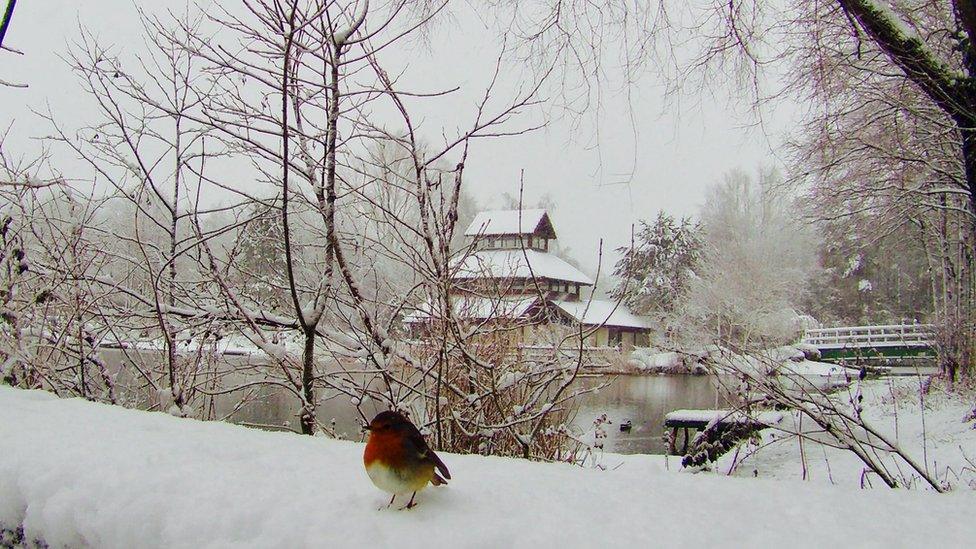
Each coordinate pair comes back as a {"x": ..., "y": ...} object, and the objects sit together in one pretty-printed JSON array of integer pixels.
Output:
[
  {"x": 81, "y": 474},
  {"x": 943, "y": 437}
]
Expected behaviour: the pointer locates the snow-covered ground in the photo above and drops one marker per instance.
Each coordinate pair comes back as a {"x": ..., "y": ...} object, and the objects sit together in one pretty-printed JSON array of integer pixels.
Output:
[
  {"x": 80, "y": 474},
  {"x": 944, "y": 437}
]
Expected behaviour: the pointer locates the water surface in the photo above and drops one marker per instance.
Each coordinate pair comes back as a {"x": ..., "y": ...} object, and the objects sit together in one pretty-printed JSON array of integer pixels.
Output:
[{"x": 643, "y": 400}]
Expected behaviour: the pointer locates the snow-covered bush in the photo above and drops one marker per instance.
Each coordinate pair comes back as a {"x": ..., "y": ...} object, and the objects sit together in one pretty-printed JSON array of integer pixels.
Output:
[
  {"x": 810, "y": 390},
  {"x": 49, "y": 326},
  {"x": 496, "y": 397}
]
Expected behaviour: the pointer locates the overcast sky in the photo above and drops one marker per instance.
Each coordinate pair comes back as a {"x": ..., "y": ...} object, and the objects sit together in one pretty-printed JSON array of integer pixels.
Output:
[{"x": 601, "y": 186}]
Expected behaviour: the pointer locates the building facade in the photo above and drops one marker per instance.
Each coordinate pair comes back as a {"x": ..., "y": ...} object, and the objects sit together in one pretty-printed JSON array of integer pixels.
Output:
[{"x": 509, "y": 277}]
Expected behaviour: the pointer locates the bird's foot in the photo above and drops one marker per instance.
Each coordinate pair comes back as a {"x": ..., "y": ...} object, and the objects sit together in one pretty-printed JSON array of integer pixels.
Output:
[
  {"x": 410, "y": 504},
  {"x": 387, "y": 506}
]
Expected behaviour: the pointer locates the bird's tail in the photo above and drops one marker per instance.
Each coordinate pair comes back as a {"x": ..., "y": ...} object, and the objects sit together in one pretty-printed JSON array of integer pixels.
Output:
[{"x": 437, "y": 480}]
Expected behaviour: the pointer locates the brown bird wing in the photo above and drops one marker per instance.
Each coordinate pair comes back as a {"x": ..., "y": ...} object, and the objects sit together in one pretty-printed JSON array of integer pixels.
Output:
[
  {"x": 424, "y": 451},
  {"x": 440, "y": 466}
]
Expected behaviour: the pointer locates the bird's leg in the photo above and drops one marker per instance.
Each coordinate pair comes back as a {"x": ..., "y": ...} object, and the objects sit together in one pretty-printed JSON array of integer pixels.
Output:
[
  {"x": 391, "y": 501},
  {"x": 410, "y": 504}
]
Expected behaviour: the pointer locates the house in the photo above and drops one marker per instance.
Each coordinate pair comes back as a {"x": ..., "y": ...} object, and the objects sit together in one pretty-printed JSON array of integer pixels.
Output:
[{"x": 510, "y": 277}]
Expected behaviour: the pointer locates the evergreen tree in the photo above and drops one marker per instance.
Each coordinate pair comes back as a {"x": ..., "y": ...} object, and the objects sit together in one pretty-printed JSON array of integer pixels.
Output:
[{"x": 655, "y": 271}]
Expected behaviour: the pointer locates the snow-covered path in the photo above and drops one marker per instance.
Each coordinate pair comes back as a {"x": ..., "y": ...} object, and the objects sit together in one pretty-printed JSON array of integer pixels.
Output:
[{"x": 83, "y": 474}]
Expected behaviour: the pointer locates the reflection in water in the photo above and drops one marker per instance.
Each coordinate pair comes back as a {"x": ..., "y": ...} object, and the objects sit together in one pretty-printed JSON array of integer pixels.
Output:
[{"x": 644, "y": 400}]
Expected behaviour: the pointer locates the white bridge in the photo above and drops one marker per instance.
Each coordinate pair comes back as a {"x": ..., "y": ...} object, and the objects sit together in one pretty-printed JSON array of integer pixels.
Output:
[{"x": 906, "y": 336}]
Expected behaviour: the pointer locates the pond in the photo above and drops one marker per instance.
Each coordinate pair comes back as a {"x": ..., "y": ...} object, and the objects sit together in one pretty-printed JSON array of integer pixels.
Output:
[{"x": 644, "y": 400}]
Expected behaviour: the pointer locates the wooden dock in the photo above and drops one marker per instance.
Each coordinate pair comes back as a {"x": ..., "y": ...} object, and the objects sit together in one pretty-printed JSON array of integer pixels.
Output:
[{"x": 719, "y": 421}]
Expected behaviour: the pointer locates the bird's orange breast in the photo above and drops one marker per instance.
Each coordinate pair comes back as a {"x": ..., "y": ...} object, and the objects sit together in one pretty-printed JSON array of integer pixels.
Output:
[{"x": 387, "y": 448}]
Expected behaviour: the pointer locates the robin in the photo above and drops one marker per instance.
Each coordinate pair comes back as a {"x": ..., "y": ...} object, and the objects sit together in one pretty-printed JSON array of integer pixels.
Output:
[{"x": 398, "y": 459}]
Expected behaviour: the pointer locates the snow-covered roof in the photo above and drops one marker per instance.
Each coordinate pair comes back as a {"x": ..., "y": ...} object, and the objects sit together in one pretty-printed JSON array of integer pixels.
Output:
[
  {"x": 600, "y": 311},
  {"x": 505, "y": 222},
  {"x": 479, "y": 308},
  {"x": 513, "y": 264}
]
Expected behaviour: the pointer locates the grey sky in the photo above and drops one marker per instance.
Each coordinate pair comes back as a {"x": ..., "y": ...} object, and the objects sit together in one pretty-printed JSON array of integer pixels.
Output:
[{"x": 673, "y": 156}]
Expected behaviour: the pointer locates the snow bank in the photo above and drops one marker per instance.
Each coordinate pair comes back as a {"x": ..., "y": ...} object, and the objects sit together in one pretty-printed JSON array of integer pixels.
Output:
[
  {"x": 812, "y": 368},
  {"x": 789, "y": 363},
  {"x": 647, "y": 359},
  {"x": 944, "y": 436},
  {"x": 80, "y": 474}
]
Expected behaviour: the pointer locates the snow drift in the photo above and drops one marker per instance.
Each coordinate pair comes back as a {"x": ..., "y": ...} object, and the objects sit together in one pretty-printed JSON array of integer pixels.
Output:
[{"x": 79, "y": 474}]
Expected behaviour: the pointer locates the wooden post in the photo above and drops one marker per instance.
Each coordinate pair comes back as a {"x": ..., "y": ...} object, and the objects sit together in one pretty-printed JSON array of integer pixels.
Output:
[{"x": 672, "y": 444}]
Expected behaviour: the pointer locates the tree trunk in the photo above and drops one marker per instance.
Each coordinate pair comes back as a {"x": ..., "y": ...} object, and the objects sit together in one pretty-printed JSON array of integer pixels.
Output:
[
  {"x": 967, "y": 129},
  {"x": 308, "y": 391}
]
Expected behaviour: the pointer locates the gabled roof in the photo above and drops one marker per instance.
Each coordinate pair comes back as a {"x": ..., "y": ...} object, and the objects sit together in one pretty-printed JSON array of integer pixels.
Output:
[
  {"x": 479, "y": 308},
  {"x": 507, "y": 222},
  {"x": 489, "y": 264},
  {"x": 600, "y": 311}
]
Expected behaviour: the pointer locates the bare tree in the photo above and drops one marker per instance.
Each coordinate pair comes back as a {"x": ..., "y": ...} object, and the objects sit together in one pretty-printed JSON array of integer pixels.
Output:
[
  {"x": 756, "y": 262},
  {"x": 890, "y": 114},
  {"x": 893, "y": 148},
  {"x": 49, "y": 309},
  {"x": 8, "y": 14},
  {"x": 318, "y": 64}
]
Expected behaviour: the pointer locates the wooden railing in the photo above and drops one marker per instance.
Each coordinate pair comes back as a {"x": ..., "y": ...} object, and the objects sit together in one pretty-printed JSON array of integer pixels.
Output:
[{"x": 852, "y": 337}]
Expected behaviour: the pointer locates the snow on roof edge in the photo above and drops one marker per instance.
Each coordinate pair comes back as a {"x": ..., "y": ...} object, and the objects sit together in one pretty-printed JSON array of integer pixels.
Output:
[
  {"x": 602, "y": 312},
  {"x": 512, "y": 264}
]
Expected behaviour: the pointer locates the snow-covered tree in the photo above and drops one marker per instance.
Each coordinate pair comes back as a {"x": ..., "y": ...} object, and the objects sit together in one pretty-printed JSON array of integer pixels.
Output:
[
  {"x": 758, "y": 257},
  {"x": 869, "y": 278},
  {"x": 654, "y": 273},
  {"x": 890, "y": 129},
  {"x": 889, "y": 156}
]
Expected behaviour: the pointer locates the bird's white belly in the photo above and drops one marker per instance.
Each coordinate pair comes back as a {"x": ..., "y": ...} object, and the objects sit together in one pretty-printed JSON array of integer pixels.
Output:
[{"x": 387, "y": 480}]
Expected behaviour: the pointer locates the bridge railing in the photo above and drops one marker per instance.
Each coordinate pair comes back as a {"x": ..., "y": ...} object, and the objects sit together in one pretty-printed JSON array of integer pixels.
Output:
[{"x": 893, "y": 335}]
